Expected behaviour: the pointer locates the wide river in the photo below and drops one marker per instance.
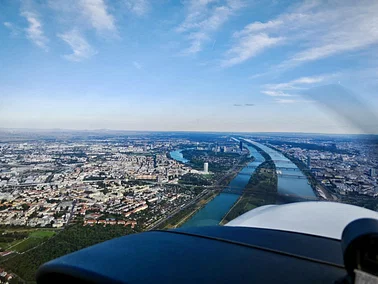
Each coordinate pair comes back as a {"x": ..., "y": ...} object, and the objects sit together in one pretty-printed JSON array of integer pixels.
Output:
[
  {"x": 291, "y": 181},
  {"x": 214, "y": 211},
  {"x": 177, "y": 155}
]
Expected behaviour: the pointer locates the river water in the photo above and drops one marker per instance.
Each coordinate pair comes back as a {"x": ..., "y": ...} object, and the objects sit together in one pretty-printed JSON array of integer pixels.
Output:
[
  {"x": 214, "y": 211},
  {"x": 177, "y": 155},
  {"x": 291, "y": 181}
]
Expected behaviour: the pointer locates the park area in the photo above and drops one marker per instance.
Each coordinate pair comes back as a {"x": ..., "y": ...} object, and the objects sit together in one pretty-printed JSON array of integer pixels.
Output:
[{"x": 21, "y": 240}]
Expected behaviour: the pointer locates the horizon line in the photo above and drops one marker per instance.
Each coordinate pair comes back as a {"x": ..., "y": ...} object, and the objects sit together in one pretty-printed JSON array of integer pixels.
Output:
[{"x": 173, "y": 131}]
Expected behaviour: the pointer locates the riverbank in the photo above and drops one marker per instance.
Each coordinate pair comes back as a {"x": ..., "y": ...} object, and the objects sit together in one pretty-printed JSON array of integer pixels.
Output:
[
  {"x": 213, "y": 212},
  {"x": 185, "y": 214},
  {"x": 182, "y": 216},
  {"x": 264, "y": 154},
  {"x": 320, "y": 192},
  {"x": 261, "y": 190},
  {"x": 293, "y": 185}
]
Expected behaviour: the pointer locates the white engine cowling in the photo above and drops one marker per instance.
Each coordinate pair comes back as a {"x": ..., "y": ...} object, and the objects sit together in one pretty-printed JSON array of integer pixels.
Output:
[{"x": 326, "y": 219}]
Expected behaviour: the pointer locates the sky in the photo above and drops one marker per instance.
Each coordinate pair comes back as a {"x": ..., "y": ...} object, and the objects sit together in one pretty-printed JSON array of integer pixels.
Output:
[{"x": 190, "y": 65}]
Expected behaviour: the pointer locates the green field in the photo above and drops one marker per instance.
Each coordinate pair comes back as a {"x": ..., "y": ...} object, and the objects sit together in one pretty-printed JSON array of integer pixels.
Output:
[
  {"x": 34, "y": 238},
  {"x": 26, "y": 244},
  {"x": 42, "y": 234},
  {"x": 5, "y": 246}
]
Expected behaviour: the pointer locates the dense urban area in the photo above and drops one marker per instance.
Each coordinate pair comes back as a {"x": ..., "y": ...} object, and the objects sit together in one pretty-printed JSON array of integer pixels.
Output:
[{"x": 84, "y": 188}]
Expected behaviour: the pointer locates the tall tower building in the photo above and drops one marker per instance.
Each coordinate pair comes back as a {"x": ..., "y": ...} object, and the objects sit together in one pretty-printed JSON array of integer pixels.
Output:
[
  {"x": 372, "y": 172},
  {"x": 309, "y": 162},
  {"x": 206, "y": 167}
]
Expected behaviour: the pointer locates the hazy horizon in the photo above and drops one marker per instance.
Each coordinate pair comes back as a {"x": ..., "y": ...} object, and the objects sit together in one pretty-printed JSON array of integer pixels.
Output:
[{"x": 36, "y": 130}]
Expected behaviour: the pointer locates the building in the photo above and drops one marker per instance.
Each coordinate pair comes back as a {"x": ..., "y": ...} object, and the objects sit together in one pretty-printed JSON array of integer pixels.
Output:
[
  {"x": 206, "y": 167},
  {"x": 372, "y": 172},
  {"x": 309, "y": 162}
]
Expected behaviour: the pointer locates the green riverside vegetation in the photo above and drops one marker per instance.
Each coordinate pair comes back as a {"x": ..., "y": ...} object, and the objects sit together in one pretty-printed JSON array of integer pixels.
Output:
[{"x": 261, "y": 190}]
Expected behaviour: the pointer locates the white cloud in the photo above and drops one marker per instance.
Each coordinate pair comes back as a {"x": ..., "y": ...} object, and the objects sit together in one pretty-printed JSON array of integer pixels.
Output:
[
  {"x": 249, "y": 45},
  {"x": 137, "y": 65},
  {"x": 14, "y": 30},
  {"x": 35, "y": 32},
  {"x": 317, "y": 29},
  {"x": 279, "y": 91},
  {"x": 196, "y": 12},
  {"x": 85, "y": 14},
  {"x": 292, "y": 101},
  {"x": 348, "y": 28},
  {"x": 204, "y": 17},
  {"x": 138, "y": 7},
  {"x": 80, "y": 47},
  {"x": 286, "y": 101},
  {"x": 257, "y": 27},
  {"x": 298, "y": 83},
  {"x": 311, "y": 80},
  {"x": 95, "y": 11},
  {"x": 276, "y": 93}
]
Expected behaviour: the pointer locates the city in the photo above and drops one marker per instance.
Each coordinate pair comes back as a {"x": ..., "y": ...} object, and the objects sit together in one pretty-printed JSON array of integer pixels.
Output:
[
  {"x": 340, "y": 164},
  {"x": 160, "y": 180}
]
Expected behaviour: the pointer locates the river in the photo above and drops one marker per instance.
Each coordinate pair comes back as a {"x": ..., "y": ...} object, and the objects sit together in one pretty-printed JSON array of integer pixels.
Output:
[
  {"x": 177, "y": 155},
  {"x": 214, "y": 211},
  {"x": 291, "y": 181},
  {"x": 288, "y": 184}
]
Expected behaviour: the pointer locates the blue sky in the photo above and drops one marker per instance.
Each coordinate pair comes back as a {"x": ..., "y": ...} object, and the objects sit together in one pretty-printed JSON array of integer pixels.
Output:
[{"x": 207, "y": 65}]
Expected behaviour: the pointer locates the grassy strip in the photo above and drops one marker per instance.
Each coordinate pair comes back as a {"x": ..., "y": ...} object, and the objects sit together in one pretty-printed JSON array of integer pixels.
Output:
[
  {"x": 34, "y": 238},
  {"x": 28, "y": 244},
  {"x": 42, "y": 234},
  {"x": 261, "y": 190}
]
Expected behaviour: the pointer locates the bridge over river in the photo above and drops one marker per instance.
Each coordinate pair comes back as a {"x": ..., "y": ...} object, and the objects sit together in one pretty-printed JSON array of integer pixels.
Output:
[
  {"x": 280, "y": 175},
  {"x": 292, "y": 196},
  {"x": 296, "y": 169},
  {"x": 291, "y": 180}
]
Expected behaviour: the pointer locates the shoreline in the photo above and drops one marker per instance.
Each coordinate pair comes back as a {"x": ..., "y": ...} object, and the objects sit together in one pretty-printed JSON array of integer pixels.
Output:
[
  {"x": 207, "y": 198},
  {"x": 315, "y": 185}
]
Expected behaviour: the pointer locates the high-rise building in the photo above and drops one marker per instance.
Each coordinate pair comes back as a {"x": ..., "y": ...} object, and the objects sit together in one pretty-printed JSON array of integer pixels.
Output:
[
  {"x": 309, "y": 162},
  {"x": 373, "y": 173},
  {"x": 206, "y": 167},
  {"x": 241, "y": 146}
]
